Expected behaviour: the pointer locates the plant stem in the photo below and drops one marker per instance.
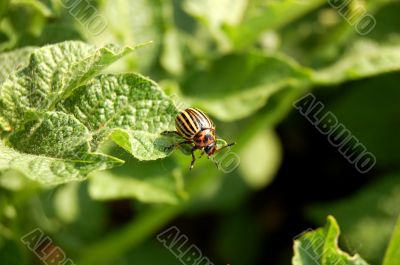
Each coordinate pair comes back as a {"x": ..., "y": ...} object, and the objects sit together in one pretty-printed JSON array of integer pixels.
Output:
[{"x": 129, "y": 236}]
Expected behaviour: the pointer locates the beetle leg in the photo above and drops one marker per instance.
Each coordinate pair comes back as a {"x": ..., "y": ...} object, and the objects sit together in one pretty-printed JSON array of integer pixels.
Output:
[
  {"x": 184, "y": 142},
  {"x": 202, "y": 153},
  {"x": 215, "y": 162},
  {"x": 170, "y": 132},
  {"x": 176, "y": 145},
  {"x": 193, "y": 158}
]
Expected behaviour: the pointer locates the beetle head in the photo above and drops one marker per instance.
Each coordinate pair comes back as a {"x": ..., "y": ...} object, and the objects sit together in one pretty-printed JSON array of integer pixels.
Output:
[{"x": 210, "y": 149}]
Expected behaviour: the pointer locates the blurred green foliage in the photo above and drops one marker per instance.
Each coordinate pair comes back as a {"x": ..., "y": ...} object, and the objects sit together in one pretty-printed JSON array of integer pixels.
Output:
[{"x": 244, "y": 62}]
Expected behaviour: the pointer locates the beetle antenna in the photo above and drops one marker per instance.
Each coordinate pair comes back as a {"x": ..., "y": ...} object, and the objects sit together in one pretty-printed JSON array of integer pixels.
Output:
[
  {"x": 225, "y": 146},
  {"x": 193, "y": 159},
  {"x": 215, "y": 162}
]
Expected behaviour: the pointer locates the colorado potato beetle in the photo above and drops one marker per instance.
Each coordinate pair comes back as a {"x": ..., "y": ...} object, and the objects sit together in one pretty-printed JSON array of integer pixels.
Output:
[{"x": 197, "y": 129}]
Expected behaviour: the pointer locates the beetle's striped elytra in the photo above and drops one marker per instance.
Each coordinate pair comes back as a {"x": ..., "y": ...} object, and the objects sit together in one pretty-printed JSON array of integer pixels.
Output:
[
  {"x": 197, "y": 129},
  {"x": 191, "y": 121}
]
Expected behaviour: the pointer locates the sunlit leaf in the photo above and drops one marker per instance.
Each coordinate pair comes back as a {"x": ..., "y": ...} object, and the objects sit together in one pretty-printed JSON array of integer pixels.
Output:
[
  {"x": 53, "y": 72},
  {"x": 51, "y": 170},
  {"x": 321, "y": 247},
  {"x": 55, "y": 118},
  {"x": 12, "y": 61},
  {"x": 392, "y": 256},
  {"x": 366, "y": 228},
  {"x": 130, "y": 108},
  {"x": 365, "y": 59}
]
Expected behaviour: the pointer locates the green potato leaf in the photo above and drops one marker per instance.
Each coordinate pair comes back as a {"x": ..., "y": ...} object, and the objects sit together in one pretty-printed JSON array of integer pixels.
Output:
[
  {"x": 55, "y": 113},
  {"x": 392, "y": 256},
  {"x": 12, "y": 61},
  {"x": 52, "y": 170},
  {"x": 364, "y": 59},
  {"x": 373, "y": 225},
  {"x": 129, "y": 108},
  {"x": 54, "y": 71},
  {"x": 321, "y": 247},
  {"x": 146, "y": 181}
]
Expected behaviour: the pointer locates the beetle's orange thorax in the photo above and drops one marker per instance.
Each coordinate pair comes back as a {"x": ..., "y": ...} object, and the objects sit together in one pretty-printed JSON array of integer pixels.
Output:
[{"x": 204, "y": 138}]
